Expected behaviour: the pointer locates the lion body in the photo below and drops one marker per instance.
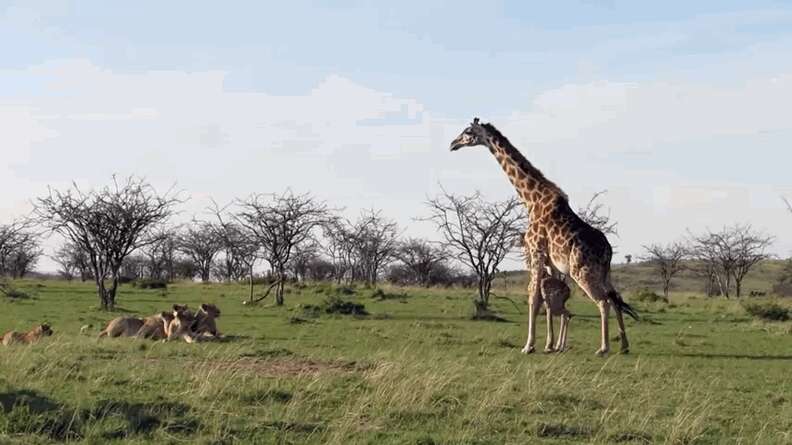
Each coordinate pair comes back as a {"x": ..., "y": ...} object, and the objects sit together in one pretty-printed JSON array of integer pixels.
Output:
[
  {"x": 204, "y": 324},
  {"x": 27, "y": 338},
  {"x": 155, "y": 326},
  {"x": 122, "y": 327}
]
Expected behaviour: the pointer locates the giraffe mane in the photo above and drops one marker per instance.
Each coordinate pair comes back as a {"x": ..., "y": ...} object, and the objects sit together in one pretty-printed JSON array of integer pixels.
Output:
[{"x": 523, "y": 163}]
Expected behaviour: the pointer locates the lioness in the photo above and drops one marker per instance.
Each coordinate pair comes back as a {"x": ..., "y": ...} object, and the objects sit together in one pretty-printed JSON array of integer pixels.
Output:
[
  {"x": 179, "y": 327},
  {"x": 155, "y": 327},
  {"x": 122, "y": 327},
  {"x": 204, "y": 323},
  {"x": 32, "y": 336}
]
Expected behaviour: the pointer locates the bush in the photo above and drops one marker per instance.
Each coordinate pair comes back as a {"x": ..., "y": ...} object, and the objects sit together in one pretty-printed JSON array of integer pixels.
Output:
[
  {"x": 12, "y": 292},
  {"x": 150, "y": 284},
  {"x": 335, "y": 305},
  {"x": 379, "y": 294},
  {"x": 767, "y": 311},
  {"x": 646, "y": 295}
]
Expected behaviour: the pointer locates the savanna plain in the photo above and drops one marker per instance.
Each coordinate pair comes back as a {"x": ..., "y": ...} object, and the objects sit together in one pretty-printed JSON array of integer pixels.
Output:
[{"x": 416, "y": 370}]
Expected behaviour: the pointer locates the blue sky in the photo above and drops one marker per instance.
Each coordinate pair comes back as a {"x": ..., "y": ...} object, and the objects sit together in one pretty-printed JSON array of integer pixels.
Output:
[{"x": 678, "y": 109}]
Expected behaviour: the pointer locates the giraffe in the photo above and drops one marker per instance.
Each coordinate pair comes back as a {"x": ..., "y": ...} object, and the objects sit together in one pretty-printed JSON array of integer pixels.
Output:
[
  {"x": 556, "y": 232},
  {"x": 555, "y": 293}
]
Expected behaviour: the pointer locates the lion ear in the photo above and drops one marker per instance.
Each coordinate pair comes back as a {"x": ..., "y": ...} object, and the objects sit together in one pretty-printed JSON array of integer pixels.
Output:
[{"x": 205, "y": 306}]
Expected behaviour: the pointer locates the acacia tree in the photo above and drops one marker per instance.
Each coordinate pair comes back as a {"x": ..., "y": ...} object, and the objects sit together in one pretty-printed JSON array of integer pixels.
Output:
[
  {"x": 304, "y": 255},
  {"x": 199, "y": 242},
  {"x": 421, "y": 258},
  {"x": 667, "y": 261},
  {"x": 480, "y": 233},
  {"x": 729, "y": 254},
  {"x": 340, "y": 247},
  {"x": 279, "y": 223},
  {"x": 375, "y": 242},
  {"x": 240, "y": 248},
  {"x": 20, "y": 249},
  {"x": 160, "y": 255},
  {"x": 72, "y": 261},
  {"x": 594, "y": 216},
  {"x": 107, "y": 224},
  {"x": 751, "y": 249}
]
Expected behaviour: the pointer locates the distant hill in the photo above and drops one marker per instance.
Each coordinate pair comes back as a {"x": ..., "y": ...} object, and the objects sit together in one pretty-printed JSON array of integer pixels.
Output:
[{"x": 629, "y": 278}]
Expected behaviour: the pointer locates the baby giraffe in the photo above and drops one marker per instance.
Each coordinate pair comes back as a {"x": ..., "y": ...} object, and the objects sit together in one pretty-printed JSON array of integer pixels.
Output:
[{"x": 555, "y": 293}]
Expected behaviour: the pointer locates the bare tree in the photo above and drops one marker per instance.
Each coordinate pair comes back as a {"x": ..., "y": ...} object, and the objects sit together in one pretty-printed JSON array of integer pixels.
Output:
[
  {"x": 728, "y": 255},
  {"x": 376, "y": 242},
  {"x": 341, "y": 249},
  {"x": 667, "y": 261},
  {"x": 592, "y": 214},
  {"x": 628, "y": 258},
  {"x": 279, "y": 223},
  {"x": 107, "y": 224},
  {"x": 480, "y": 233},
  {"x": 20, "y": 250},
  {"x": 421, "y": 258},
  {"x": 160, "y": 254},
  {"x": 750, "y": 248},
  {"x": 304, "y": 254},
  {"x": 200, "y": 243},
  {"x": 72, "y": 262}
]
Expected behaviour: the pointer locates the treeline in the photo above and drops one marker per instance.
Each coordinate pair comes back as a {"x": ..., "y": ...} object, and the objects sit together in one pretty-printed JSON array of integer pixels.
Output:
[{"x": 122, "y": 232}]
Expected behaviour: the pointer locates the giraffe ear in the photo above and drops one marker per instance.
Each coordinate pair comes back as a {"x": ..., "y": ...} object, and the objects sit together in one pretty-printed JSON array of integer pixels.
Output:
[{"x": 475, "y": 121}]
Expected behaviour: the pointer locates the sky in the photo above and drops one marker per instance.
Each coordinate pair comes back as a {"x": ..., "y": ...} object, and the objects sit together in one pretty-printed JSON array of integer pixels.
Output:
[{"x": 680, "y": 110}]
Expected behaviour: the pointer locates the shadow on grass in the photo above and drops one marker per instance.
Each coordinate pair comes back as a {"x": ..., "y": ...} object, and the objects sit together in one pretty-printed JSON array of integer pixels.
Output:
[
  {"x": 144, "y": 418},
  {"x": 29, "y": 412},
  {"x": 35, "y": 402},
  {"x": 708, "y": 355}
]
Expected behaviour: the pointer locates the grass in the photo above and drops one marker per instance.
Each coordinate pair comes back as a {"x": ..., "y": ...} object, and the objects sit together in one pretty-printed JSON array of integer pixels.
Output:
[{"x": 416, "y": 370}]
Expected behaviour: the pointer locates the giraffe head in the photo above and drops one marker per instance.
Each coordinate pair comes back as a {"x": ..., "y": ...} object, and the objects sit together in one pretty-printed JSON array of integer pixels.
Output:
[{"x": 474, "y": 134}]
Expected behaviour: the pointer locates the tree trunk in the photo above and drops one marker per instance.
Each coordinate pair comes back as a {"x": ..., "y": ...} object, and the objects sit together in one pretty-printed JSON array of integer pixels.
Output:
[
  {"x": 250, "y": 280},
  {"x": 111, "y": 293},
  {"x": 737, "y": 287},
  {"x": 100, "y": 289},
  {"x": 281, "y": 276}
]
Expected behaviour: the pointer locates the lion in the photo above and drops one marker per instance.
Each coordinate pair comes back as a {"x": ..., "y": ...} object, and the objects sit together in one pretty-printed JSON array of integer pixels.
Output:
[
  {"x": 122, "y": 327},
  {"x": 204, "y": 324},
  {"x": 180, "y": 326},
  {"x": 155, "y": 327},
  {"x": 32, "y": 336}
]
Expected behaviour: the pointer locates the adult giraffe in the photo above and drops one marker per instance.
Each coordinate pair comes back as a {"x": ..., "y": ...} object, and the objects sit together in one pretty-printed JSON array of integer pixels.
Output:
[{"x": 572, "y": 246}]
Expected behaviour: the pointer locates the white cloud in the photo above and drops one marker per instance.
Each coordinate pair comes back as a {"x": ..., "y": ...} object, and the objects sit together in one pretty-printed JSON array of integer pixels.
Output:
[{"x": 358, "y": 147}]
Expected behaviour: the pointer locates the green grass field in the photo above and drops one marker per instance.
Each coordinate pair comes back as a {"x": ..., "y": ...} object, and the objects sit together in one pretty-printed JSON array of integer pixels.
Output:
[{"x": 416, "y": 370}]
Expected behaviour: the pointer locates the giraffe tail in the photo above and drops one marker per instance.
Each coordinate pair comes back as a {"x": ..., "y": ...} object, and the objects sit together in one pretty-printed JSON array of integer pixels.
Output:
[{"x": 622, "y": 305}]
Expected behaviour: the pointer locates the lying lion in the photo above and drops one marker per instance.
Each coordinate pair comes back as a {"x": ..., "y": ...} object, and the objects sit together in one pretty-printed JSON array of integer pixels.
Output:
[
  {"x": 204, "y": 324},
  {"x": 34, "y": 335},
  {"x": 153, "y": 327},
  {"x": 180, "y": 326}
]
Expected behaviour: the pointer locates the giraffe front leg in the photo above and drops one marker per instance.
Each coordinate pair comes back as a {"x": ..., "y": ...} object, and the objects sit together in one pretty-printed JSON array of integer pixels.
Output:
[
  {"x": 533, "y": 311},
  {"x": 550, "y": 333},
  {"x": 604, "y": 308}
]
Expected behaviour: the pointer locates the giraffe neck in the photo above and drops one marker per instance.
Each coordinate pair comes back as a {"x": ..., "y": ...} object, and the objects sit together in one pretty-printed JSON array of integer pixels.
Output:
[{"x": 531, "y": 185}]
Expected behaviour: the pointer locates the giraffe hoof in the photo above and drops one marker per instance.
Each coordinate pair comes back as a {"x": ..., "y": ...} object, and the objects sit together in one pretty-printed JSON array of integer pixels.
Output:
[
  {"x": 625, "y": 351},
  {"x": 602, "y": 353},
  {"x": 549, "y": 350},
  {"x": 528, "y": 350}
]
